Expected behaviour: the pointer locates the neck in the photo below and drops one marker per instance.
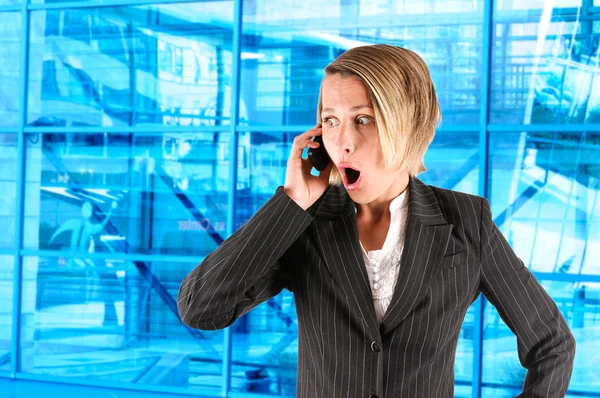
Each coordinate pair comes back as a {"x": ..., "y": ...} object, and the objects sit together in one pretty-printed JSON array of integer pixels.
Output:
[{"x": 379, "y": 209}]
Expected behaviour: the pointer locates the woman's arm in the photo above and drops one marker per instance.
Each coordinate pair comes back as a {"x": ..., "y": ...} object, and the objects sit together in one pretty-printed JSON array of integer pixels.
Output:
[
  {"x": 244, "y": 270},
  {"x": 545, "y": 343}
]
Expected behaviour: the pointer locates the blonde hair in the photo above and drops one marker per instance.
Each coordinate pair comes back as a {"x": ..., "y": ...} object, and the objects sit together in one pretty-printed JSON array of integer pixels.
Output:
[{"x": 402, "y": 96}]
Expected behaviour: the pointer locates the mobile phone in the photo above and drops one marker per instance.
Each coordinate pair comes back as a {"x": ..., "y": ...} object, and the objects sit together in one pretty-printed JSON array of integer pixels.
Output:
[{"x": 319, "y": 156}]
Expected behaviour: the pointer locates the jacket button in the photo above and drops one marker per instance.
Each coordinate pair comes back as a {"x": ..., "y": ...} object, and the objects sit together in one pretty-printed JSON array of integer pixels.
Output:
[{"x": 376, "y": 348}]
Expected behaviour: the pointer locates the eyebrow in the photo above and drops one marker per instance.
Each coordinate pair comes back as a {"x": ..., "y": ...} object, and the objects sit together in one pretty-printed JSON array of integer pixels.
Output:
[{"x": 354, "y": 108}]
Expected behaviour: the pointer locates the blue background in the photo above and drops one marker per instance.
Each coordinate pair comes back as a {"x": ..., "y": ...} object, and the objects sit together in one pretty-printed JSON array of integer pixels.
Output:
[{"x": 136, "y": 136}]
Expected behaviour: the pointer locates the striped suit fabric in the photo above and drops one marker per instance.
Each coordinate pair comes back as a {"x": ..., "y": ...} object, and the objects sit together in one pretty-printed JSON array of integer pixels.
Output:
[{"x": 453, "y": 251}]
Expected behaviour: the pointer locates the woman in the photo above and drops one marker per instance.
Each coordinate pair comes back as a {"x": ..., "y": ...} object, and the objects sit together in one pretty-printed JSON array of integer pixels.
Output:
[{"x": 382, "y": 266}]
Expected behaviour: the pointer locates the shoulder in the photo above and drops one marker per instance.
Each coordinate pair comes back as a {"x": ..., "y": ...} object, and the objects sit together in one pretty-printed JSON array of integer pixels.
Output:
[{"x": 459, "y": 207}]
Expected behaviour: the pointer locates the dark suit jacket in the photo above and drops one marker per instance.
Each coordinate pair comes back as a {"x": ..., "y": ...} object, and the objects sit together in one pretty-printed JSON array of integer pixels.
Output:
[{"x": 453, "y": 251}]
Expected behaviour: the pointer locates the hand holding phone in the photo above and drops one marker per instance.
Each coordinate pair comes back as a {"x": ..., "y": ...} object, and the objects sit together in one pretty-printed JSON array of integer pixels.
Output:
[{"x": 301, "y": 185}]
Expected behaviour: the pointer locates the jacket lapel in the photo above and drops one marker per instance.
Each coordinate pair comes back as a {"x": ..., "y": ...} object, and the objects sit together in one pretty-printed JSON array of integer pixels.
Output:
[
  {"x": 337, "y": 233},
  {"x": 426, "y": 238}
]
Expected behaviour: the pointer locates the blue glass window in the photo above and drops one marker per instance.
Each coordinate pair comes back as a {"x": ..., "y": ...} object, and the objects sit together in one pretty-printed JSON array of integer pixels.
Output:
[
  {"x": 164, "y": 64},
  {"x": 545, "y": 65},
  {"x": 10, "y": 33},
  {"x": 545, "y": 198},
  {"x": 153, "y": 194},
  {"x": 286, "y": 47},
  {"x": 6, "y": 309},
  {"x": 8, "y": 187},
  {"x": 452, "y": 161},
  {"x": 108, "y": 319}
]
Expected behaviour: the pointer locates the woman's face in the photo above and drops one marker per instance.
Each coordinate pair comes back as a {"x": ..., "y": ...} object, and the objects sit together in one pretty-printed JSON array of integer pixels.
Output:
[{"x": 351, "y": 139}]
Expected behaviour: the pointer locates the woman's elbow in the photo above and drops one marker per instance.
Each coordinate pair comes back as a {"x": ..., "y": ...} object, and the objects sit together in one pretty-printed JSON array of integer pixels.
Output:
[{"x": 196, "y": 315}]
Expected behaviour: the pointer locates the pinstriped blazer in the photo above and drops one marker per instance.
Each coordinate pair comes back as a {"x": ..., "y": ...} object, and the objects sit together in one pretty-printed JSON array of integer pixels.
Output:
[{"x": 453, "y": 251}]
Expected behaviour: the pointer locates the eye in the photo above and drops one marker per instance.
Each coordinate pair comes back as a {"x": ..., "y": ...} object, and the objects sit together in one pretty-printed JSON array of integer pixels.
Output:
[
  {"x": 363, "y": 120},
  {"x": 330, "y": 122}
]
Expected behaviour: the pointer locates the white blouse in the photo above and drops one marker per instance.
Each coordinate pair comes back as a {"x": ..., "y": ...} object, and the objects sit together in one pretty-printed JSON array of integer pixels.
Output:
[{"x": 383, "y": 265}]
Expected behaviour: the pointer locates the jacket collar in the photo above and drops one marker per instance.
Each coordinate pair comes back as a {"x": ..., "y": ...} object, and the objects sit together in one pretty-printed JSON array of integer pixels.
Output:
[{"x": 422, "y": 203}]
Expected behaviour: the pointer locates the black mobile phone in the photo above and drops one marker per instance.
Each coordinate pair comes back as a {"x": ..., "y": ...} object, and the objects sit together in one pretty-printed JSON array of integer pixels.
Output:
[{"x": 319, "y": 156}]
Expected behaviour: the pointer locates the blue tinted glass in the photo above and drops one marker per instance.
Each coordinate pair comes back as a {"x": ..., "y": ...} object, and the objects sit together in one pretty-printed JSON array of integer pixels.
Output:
[
  {"x": 10, "y": 33},
  {"x": 106, "y": 320},
  {"x": 545, "y": 66},
  {"x": 158, "y": 194},
  {"x": 463, "y": 363},
  {"x": 452, "y": 161},
  {"x": 6, "y": 306},
  {"x": 262, "y": 163},
  {"x": 8, "y": 187},
  {"x": 288, "y": 45},
  {"x": 546, "y": 198},
  {"x": 535, "y": 5},
  {"x": 579, "y": 304},
  {"x": 165, "y": 64},
  {"x": 265, "y": 350}
]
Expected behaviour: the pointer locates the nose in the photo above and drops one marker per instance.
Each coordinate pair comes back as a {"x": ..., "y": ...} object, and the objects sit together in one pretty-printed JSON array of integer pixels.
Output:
[{"x": 346, "y": 139}]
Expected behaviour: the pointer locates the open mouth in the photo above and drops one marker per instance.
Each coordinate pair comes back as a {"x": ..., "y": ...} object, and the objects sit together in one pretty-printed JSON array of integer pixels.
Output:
[{"x": 351, "y": 175}]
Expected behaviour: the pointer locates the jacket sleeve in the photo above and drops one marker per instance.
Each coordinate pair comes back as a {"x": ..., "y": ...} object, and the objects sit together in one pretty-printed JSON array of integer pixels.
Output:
[
  {"x": 546, "y": 346},
  {"x": 245, "y": 270}
]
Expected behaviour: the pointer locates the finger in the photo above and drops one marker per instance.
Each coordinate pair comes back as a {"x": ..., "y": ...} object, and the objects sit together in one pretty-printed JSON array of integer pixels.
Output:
[
  {"x": 302, "y": 141},
  {"x": 313, "y": 132}
]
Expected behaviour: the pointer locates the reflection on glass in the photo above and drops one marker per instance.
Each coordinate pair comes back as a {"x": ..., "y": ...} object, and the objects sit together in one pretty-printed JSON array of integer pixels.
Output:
[
  {"x": 8, "y": 188},
  {"x": 265, "y": 349},
  {"x": 463, "y": 363},
  {"x": 452, "y": 161},
  {"x": 262, "y": 163},
  {"x": 159, "y": 194},
  {"x": 165, "y": 64},
  {"x": 265, "y": 352},
  {"x": 534, "y": 5},
  {"x": 580, "y": 304},
  {"x": 546, "y": 198},
  {"x": 10, "y": 33},
  {"x": 545, "y": 67},
  {"x": 6, "y": 307},
  {"x": 289, "y": 44},
  {"x": 105, "y": 319}
]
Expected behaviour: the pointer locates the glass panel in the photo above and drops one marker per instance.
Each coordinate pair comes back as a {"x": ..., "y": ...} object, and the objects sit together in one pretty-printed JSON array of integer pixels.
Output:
[
  {"x": 102, "y": 319},
  {"x": 165, "y": 64},
  {"x": 288, "y": 43},
  {"x": 10, "y": 54},
  {"x": 452, "y": 161},
  {"x": 545, "y": 198},
  {"x": 7, "y": 276},
  {"x": 8, "y": 187},
  {"x": 262, "y": 163},
  {"x": 159, "y": 194},
  {"x": 579, "y": 303},
  {"x": 531, "y": 5},
  {"x": 265, "y": 352},
  {"x": 463, "y": 364},
  {"x": 545, "y": 67},
  {"x": 265, "y": 349}
]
